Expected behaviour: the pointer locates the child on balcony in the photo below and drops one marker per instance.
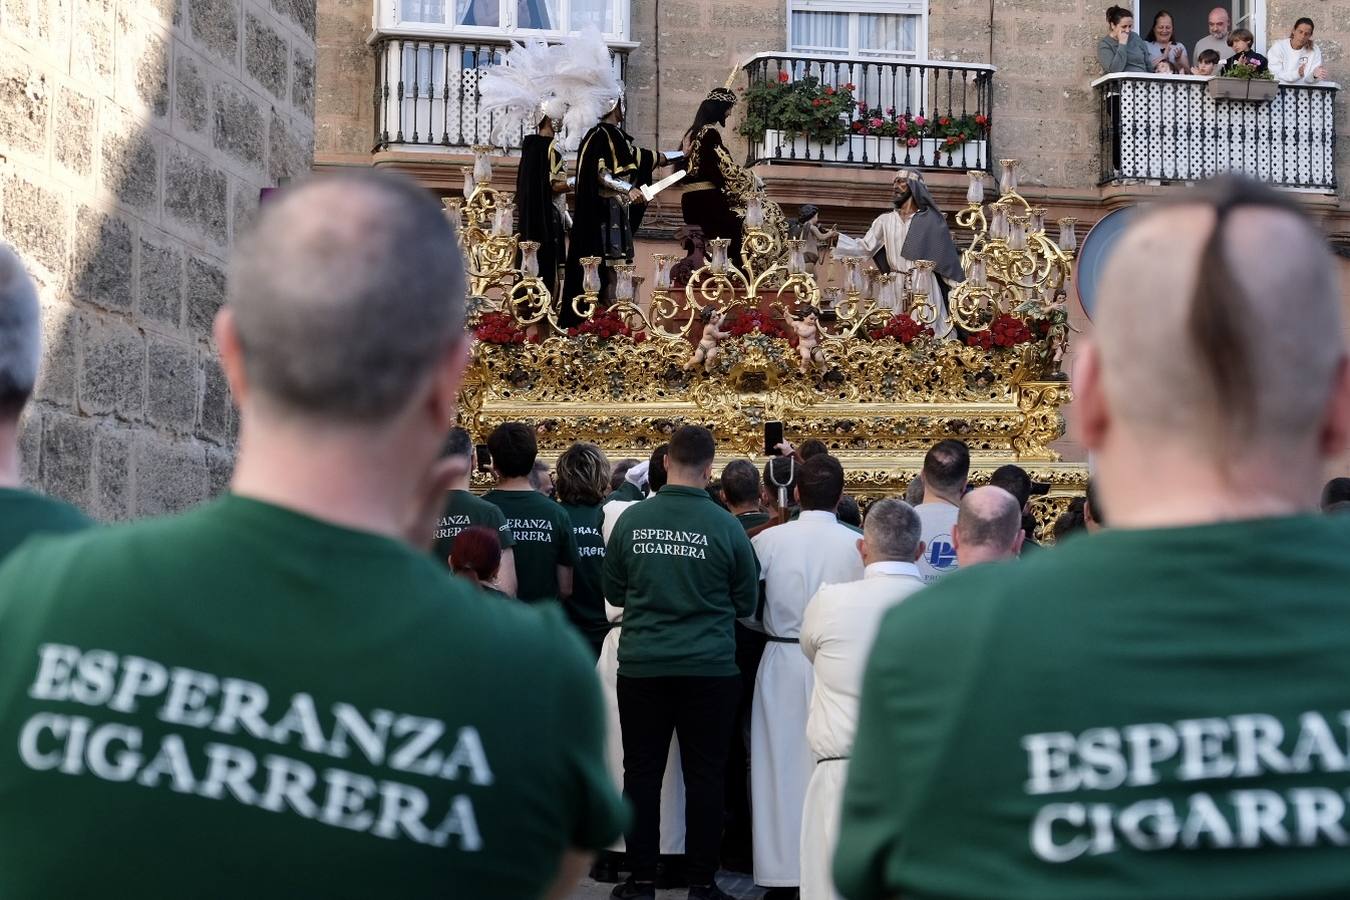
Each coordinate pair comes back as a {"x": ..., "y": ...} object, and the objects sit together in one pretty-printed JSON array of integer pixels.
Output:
[
  {"x": 1241, "y": 41},
  {"x": 1206, "y": 63}
]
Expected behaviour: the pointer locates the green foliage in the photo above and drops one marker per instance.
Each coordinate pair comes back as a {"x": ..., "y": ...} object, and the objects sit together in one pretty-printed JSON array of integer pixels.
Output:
[{"x": 807, "y": 106}]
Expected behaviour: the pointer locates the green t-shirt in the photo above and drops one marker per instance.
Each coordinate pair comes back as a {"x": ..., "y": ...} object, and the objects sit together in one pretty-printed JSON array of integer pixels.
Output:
[
  {"x": 752, "y": 520},
  {"x": 245, "y": 701},
  {"x": 463, "y": 509},
  {"x": 684, "y": 571},
  {"x": 628, "y": 492},
  {"x": 24, "y": 513},
  {"x": 1154, "y": 713},
  {"x": 543, "y": 535},
  {"x": 586, "y": 606}
]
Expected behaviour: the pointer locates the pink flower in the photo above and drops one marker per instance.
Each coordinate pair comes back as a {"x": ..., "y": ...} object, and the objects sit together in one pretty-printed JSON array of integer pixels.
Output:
[
  {"x": 876, "y": 123},
  {"x": 913, "y": 142},
  {"x": 920, "y": 121}
]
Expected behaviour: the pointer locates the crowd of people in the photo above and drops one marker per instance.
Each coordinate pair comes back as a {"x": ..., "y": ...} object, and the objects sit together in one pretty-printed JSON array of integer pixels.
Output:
[
  {"x": 1296, "y": 59},
  {"x": 351, "y": 676}
]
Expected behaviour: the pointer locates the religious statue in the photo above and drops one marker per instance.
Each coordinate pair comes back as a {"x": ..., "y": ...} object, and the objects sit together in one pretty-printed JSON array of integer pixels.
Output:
[
  {"x": 707, "y": 350},
  {"x": 807, "y": 327},
  {"x": 695, "y": 246}
]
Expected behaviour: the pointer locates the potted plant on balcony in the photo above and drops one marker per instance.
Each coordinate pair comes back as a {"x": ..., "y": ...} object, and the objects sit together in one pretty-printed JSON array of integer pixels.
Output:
[
  {"x": 907, "y": 137},
  {"x": 789, "y": 115},
  {"x": 1243, "y": 81}
]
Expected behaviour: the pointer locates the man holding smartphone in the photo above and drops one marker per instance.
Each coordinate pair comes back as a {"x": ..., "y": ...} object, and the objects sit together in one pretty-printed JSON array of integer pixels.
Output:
[{"x": 464, "y": 508}]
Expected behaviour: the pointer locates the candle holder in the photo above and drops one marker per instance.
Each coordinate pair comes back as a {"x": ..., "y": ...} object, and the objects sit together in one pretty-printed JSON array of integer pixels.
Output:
[
  {"x": 623, "y": 281},
  {"x": 482, "y": 163},
  {"x": 1017, "y": 233},
  {"x": 469, "y": 183},
  {"x": 796, "y": 256},
  {"x": 529, "y": 259},
  {"x": 1007, "y": 182},
  {"x": 717, "y": 259},
  {"x": 661, "y": 278},
  {"x": 754, "y": 212},
  {"x": 1068, "y": 234},
  {"x": 975, "y": 191}
]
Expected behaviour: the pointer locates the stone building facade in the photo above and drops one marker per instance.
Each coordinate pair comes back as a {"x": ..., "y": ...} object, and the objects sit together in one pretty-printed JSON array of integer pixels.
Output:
[{"x": 134, "y": 138}]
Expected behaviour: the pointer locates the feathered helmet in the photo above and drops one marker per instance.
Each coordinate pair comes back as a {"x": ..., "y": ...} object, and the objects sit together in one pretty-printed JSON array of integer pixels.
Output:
[
  {"x": 520, "y": 90},
  {"x": 586, "y": 82}
]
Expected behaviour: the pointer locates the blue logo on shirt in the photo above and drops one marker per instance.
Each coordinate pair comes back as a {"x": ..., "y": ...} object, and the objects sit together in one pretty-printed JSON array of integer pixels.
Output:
[{"x": 941, "y": 553}]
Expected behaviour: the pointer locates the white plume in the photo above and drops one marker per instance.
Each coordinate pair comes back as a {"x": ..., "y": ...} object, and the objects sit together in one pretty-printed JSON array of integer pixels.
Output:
[
  {"x": 585, "y": 80},
  {"x": 517, "y": 89}
]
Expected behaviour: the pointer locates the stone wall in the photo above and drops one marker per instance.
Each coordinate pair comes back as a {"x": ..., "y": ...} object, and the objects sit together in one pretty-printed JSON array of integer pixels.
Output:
[
  {"x": 134, "y": 138},
  {"x": 344, "y": 122}
]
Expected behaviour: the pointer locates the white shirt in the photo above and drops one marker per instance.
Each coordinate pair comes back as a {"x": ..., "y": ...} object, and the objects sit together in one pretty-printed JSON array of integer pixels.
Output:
[
  {"x": 838, "y": 631},
  {"x": 1285, "y": 60},
  {"x": 796, "y": 558},
  {"x": 936, "y": 521}
]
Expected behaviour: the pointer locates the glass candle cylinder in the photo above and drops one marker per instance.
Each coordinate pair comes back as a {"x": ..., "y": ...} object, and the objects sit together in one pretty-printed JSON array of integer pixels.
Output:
[
  {"x": 869, "y": 290},
  {"x": 886, "y": 290},
  {"x": 590, "y": 274},
  {"x": 454, "y": 212},
  {"x": 978, "y": 273},
  {"x": 482, "y": 163},
  {"x": 661, "y": 280},
  {"x": 1017, "y": 233},
  {"x": 467, "y": 172},
  {"x": 529, "y": 259},
  {"x": 623, "y": 281},
  {"x": 1068, "y": 234},
  {"x": 853, "y": 279},
  {"x": 718, "y": 256},
  {"x": 754, "y": 212},
  {"x": 998, "y": 223},
  {"x": 1007, "y": 182},
  {"x": 504, "y": 219},
  {"x": 1037, "y": 220},
  {"x": 975, "y": 191},
  {"x": 796, "y": 256}
]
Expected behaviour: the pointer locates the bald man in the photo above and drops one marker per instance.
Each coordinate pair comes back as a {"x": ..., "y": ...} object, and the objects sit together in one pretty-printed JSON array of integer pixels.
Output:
[
  {"x": 1220, "y": 23},
  {"x": 280, "y": 694},
  {"x": 1159, "y": 710},
  {"x": 23, "y": 513},
  {"x": 988, "y": 527}
]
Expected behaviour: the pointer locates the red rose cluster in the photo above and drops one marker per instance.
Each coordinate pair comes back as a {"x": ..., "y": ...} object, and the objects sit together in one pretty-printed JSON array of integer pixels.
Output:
[
  {"x": 499, "y": 328},
  {"x": 1004, "y": 331},
  {"x": 901, "y": 327},
  {"x": 752, "y": 321},
  {"x": 605, "y": 325}
]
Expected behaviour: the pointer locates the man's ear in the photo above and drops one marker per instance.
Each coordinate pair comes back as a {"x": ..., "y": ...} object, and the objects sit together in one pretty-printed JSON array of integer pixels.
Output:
[
  {"x": 918, "y": 551},
  {"x": 231, "y": 352},
  {"x": 1336, "y": 425},
  {"x": 1091, "y": 416},
  {"x": 1017, "y": 544},
  {"x": 956, "y": 537}
]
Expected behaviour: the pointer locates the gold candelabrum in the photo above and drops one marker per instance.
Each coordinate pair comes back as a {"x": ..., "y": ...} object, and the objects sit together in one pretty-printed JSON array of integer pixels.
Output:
[{"x": 880, "y": 367}]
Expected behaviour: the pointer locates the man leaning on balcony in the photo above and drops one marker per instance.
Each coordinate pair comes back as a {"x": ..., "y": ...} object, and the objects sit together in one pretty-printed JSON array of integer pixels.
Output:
[{"x": 1122, "y": 49}]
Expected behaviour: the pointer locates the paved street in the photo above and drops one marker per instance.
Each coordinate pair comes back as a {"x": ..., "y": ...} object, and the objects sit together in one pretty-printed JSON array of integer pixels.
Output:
[{"x": 738, "y": 886}]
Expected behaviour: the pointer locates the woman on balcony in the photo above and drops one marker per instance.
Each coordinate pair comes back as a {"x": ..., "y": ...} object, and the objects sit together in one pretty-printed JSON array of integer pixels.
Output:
[
  {"x": 1296, "y": 59},
  {"x": 1162, "y": 47},
  {"x": 1122, "y": 50}
]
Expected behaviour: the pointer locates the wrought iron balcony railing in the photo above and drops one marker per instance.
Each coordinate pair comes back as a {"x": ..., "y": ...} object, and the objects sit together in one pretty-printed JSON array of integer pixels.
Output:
[
  {"x": 803, "y": 108},
  {"x": 426, "y": 91},
  {"x": 1169, "y": 128}
]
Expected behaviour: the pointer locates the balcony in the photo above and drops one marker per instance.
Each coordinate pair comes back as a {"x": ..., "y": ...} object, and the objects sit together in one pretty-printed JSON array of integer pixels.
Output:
[
  {"x": 426, "y": 91},
  {"x": 857, "y": 111},
  {"x": 1167, "y": 128}
]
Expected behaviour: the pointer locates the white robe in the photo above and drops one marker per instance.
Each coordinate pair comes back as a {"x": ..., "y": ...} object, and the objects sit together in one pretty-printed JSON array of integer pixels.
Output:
[
  {"x": 796, "y": 559},
  {"x": 889, "y": 231},
  {"x": 838, "y": 631},
  {"x": 672, "y": 787}
]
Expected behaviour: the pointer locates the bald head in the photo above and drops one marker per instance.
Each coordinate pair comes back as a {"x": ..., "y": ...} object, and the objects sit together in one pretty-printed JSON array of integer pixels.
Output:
[
  {"x": 345, "y": 295},
  {"x": 1225, "y": 344},
  {"x": 20, "y": 335},
  {"x": 988, "y": 527}
]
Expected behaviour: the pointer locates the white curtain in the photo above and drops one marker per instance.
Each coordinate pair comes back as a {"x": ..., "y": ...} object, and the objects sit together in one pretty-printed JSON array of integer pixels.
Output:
[
  {"x": 820, "y": 32},
  {"x": 539, "y": 14},
  {"x": 599, "y": 13},
  {"x": 888, "y": 35},
  {"x": 483, "y": 13},
  {"x": 422, "y": 11}
]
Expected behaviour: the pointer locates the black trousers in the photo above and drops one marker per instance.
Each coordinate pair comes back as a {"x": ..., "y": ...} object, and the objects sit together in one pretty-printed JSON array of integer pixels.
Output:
[
  {"x": 737, "y": 846},
  {"x": 701, "y": 712}
]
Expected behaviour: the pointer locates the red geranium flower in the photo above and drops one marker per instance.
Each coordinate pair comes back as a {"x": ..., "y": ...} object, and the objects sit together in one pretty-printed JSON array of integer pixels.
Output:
[
  {"x": 784, "y": 77},
  {"x": 913, "y": 142},
  {"x": 829, "y": 91},
  {"x": 920, "y": 121},
  {"x": 848, "y": 86},
  {"x": 981, "y": 119}
]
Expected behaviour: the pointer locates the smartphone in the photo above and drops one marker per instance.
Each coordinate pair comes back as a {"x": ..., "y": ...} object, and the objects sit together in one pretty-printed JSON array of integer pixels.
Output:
[
  {"x": 484, "y": 457},
  {"x": 773, "y": 436}
]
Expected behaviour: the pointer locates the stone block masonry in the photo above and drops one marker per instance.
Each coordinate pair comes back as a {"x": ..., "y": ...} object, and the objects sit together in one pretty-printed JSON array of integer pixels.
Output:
[{"x": 135, "y": 136}]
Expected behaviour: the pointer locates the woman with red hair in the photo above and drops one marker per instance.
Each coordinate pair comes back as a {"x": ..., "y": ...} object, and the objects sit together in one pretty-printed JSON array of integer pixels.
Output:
[{"x": 476, "y": 555}]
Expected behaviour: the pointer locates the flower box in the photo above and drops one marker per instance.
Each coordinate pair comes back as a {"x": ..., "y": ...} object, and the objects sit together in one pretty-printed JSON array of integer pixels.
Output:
[
  {"x": 782, "y": 146},
  {"x": 1255, "y": 89}
]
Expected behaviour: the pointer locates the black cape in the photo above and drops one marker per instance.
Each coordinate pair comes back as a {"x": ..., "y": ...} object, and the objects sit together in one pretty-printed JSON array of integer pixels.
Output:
[
  {"x": 539, "y": 219},
  {"x": 600, "y": 225}
]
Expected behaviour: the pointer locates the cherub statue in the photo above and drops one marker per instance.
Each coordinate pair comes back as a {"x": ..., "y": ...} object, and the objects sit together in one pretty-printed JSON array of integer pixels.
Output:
[
  {"x": 1057, "y": 338},
  {"x": 807, "y": 327},
  {"x": 706, "y": 352}
]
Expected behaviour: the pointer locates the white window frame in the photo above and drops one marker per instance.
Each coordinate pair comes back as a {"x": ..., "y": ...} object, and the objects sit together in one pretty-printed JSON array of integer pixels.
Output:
[
  {"x": 916, "y": 8},
  {"x": 388, "y": 21},
  {"x": 1259, "y": 27}
]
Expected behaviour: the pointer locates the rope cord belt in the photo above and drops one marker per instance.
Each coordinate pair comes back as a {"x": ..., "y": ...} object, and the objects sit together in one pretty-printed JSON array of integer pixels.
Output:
[{"x": 782, "y": 640}]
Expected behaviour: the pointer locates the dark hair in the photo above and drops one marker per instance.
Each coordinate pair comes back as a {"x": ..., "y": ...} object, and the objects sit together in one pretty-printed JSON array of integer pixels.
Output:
[
  {"x": 582, "y": 475},
  {"x": 946, "y": 465},
  {"x": 1092, "y": 504},
  {"x": 513, "y": 448},
  {"x": 1154, "y": 27},
  {"x": 1071, "y": 521},
  {"x": 714, "y": 490},
  {"x": 656, "y": 469},
  {"x": 1014, "y": 480},
  {"x": 477, "y": 549},
  {"x": 457, "y": 443},
  {"x": 1208, "y": 56},
  {"x": 820, "y": 483},
  {"x": 849, "y": 512},
  {"x": 1242, "y": 34},
  {"x": 1304, "y": 20},
  {"x": 617, "y": 473},
  {"x": 740, "y": 482},
  {"x": 1115, "y": 13},
  {"x": 786, "y": 470},
  {"x": 812, "y": 447},
  {"x": 710, "y": 112},
  {"x": 692, "y": 446},
  {"x": 1337, "y": 490}
]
